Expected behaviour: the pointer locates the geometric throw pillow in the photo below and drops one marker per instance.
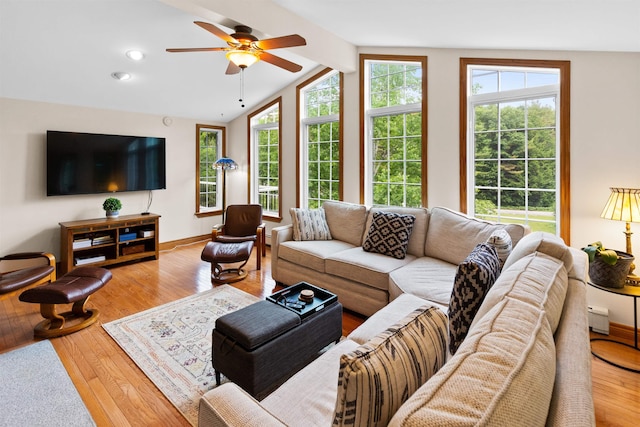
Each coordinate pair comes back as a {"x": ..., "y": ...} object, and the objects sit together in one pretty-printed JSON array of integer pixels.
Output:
[
  {"x": 380, "y": 375},
  {"x": 389, "y": 234},
  {"x": 501, "y": 240},
  {"x": 474, "y": 277},
  {"x": 309, "y": 224}
]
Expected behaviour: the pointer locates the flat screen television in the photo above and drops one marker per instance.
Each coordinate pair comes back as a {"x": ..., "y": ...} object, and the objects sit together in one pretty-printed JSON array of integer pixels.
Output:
[{"x": 87, "y": 163}]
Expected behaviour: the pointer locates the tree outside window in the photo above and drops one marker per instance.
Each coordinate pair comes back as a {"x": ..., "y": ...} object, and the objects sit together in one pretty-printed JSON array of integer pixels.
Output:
[
  {"x": 320, "y": 147},
  {"x": 514, "y": 148},
  {"x": 265, "y": 155},
  {"x": 210, "y": 141},
  {"x": 395, "y": 136}
]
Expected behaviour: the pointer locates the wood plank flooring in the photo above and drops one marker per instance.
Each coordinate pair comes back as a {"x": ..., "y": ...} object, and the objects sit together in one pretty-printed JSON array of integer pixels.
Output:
[{"x": 117, "y": 393}]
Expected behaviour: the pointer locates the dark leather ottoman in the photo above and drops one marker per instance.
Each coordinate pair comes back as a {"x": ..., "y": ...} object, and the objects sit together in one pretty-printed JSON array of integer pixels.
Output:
[
  {"x": 74, "y": 287},
  {"x": 260, "y": 346}
]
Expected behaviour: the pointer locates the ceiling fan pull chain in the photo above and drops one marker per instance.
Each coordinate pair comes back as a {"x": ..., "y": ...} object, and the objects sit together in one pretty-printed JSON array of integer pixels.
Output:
[{"x": 241, "y": 86}]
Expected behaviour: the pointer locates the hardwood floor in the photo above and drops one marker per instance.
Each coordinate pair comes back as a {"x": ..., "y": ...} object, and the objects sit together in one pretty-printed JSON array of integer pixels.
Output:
[{"x": 117, "y": 393}]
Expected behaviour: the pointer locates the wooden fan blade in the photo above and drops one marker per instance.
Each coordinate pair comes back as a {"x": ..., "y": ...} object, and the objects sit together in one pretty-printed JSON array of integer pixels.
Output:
[
  {"x": 216, "y": 31},
  {"x": 198, "y": 49},
  {"x": 280, "y": 42},
  {"x": 232, "y": 68},
  {"x": 280, "y": 62}
]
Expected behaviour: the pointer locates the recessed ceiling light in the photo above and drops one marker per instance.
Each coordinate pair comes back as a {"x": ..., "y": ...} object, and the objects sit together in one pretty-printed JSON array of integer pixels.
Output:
[
  {"x": 119, "y": 75},
  {"x": 135, "y": 55}
]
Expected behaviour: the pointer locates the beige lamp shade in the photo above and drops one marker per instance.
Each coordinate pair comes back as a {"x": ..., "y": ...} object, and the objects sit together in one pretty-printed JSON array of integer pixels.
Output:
[{"x": 623, "y": 205}]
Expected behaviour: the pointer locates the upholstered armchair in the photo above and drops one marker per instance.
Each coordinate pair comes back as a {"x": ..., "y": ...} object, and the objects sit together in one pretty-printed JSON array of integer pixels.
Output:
[
  {"x": 242, "y": 223},
  {"x": 26, "y": 269}
]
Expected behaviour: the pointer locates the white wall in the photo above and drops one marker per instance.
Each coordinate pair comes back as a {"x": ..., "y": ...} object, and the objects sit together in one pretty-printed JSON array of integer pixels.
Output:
[
  {"x": 605, "y": 141},
  {"x": 605, "y": 148},
  {"x": 29, "y": 219}
]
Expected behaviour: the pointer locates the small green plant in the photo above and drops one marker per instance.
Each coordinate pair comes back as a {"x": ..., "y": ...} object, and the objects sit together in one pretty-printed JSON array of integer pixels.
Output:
[
  {"x": 112, "y": 204},
  {"x": 609, "y": 256}
]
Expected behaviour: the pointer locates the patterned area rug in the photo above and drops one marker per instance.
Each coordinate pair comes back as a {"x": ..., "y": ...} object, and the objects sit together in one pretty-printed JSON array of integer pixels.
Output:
[{"x": 172, "y": 343}]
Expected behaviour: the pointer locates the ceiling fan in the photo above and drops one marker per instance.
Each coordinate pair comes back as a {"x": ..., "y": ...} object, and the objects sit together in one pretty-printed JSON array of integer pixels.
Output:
[{"x": 246, "y": 49}]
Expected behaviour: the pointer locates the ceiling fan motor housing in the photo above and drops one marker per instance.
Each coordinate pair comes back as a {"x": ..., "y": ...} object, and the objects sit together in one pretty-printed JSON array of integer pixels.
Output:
[{"x": 243, "y": 34}]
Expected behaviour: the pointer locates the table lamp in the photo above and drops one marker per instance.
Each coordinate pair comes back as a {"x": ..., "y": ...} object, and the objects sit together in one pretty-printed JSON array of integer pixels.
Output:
[
  {"x": 225, "y": 164},
  {"x": 624, "y": 205}
]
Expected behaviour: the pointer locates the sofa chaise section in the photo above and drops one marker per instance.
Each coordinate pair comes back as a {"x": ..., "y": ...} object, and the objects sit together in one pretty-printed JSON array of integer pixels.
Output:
[{"x": 524, "y": 362}]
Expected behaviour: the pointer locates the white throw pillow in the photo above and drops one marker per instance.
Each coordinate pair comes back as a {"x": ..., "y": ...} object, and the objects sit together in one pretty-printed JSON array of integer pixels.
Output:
[
  {"x": 501, "y": 240},
  {"x": 309, "y": 224}
]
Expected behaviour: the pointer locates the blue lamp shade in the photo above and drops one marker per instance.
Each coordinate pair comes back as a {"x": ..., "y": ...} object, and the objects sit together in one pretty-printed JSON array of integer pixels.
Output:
[{"x": 225, "y": 163}]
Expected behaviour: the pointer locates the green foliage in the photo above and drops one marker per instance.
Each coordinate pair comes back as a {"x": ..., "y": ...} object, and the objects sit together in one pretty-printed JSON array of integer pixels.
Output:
[
  {"x": 609, "y": 256},
  {"x": 208, "y": 176},
  {"x": 515, "y": 146},
  {"x": 485, "y": 207},
  {"x": 112, "y": 204}
]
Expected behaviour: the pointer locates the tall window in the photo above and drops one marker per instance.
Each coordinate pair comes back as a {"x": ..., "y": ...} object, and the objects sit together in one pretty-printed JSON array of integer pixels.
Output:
[
  {"x": 514, "y": 149},
  {"x": 210, "y": 141},
  {"x": 320, "y": 139},
  {"x": 394, "y": 143},
  {"x": 265, "y": 155}
]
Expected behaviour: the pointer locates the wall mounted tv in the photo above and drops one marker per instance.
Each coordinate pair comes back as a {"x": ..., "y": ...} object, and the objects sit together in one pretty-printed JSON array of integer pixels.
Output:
[{"x": 86, "y": 163}]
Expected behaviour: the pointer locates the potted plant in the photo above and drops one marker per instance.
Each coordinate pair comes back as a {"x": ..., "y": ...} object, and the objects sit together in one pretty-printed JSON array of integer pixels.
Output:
[
  {"x": 608, "y": 267},
  {"x": 112, "y": 206}
]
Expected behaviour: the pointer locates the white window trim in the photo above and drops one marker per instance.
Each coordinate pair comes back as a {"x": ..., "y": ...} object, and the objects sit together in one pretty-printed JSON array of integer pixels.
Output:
[
  {"x": 255, "y": 129},
  {"x": 219, "y": 149},
  {"x": 525, "y": 94},
  {"x": 370, "y": 114},
  {"x": 305, "y": 122}
]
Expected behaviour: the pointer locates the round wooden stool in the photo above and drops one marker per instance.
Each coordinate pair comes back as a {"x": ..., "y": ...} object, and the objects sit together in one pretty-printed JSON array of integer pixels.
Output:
[{"x": 74, "y": 287}]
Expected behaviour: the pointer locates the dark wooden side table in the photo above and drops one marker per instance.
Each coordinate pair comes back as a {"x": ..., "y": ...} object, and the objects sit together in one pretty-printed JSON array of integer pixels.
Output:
[{"x": 628, "y": 291}]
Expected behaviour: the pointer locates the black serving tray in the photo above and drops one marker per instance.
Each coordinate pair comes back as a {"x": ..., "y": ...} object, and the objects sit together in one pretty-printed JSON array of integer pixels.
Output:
[{"x": 285, "y": 297}]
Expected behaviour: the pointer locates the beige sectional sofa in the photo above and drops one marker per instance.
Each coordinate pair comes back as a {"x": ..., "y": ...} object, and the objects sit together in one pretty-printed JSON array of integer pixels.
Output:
[
  {"x": 525, "y": 362},
  {"x": 364, "y": 281}
]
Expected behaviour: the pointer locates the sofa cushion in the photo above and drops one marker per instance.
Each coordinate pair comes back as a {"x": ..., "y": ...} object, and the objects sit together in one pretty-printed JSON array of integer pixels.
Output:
[
  {"x": 420, "y": 226},
  {"x": 313, "y": 389},
  {"x": 538, "y": 279},
  {"x": 346, "y": 221},
  {"x": 474, "y": 276},
  {"x": 453, "y": 235},
  {"x": 540, "y": 241},
  {"x": 428, "y": 278},
  {"x": 502, "y": 374},
  {"x": 379, "y": 376},
  {"x": 312, "y": 253},
  {"x": 389, "y": 234},
  {"x": 368, "y": 268},
  {"x": 309, "y": 224},
  {"x": 501, "y": 240},
  {"x": 390, "y": 314}
]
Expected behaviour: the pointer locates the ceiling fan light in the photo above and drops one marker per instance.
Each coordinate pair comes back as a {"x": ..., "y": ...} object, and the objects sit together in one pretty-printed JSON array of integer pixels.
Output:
[
  {"x": 243, "y": 58},
  {"x": 120, "y": 75},
  {"x": 135, "y": 55}
]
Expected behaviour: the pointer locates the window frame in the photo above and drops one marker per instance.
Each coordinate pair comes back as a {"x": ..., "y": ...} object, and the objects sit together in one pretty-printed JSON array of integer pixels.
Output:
[
  {"x": 301, "y": 134},
  {"x": 252, "y": 130},
  {"x": 365, "y": 127},
  {"x": 563, "y": 124},
  {"x": 221, "y": 150}
]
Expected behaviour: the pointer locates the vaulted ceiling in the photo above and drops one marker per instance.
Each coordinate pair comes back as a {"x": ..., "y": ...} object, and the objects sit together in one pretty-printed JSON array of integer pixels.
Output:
[{"x": 64, "y": 51}]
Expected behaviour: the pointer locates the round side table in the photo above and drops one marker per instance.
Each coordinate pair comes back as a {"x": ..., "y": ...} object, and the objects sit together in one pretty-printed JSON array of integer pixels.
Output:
[{"x": 628, "y": 291}]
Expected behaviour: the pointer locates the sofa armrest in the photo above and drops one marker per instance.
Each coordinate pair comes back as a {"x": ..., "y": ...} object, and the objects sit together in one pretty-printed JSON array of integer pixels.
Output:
[
  {"x": 572, "y": 399},
  {"x": 278, "y": 235},
  {"x": 229, "y": 405}
]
